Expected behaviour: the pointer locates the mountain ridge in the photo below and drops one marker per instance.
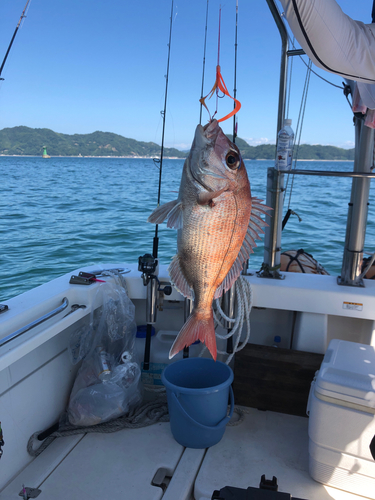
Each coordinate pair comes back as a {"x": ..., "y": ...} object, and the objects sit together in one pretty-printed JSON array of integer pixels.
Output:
[{"x": 26, "y": 141}]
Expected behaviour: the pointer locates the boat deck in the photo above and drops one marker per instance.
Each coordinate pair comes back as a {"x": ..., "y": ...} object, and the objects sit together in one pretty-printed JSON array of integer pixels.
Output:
[{"x": 124, "y": 464}]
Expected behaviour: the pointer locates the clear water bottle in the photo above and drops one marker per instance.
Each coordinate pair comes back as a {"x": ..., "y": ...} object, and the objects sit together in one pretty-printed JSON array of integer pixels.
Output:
[{"x": 285, "y": 141}]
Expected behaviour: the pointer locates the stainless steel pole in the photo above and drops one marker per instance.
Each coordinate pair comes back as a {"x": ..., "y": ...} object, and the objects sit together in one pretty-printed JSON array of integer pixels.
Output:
[
  {"x": 275, "y": 198},
  {"x": 275, "y": 180},
  {"x": 358, "y": 207}
]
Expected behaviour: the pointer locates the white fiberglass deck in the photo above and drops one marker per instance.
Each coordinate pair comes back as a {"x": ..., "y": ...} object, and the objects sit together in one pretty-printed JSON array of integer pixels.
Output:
[{"x": 123, "y": 464}]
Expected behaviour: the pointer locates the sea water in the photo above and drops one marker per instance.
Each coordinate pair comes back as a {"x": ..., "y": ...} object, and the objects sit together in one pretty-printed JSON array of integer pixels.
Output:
[{"x": 59, "y": 214}]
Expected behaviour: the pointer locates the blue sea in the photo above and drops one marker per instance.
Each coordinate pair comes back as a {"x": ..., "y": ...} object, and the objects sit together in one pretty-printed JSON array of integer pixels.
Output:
[{"x": 59, "y": 214}]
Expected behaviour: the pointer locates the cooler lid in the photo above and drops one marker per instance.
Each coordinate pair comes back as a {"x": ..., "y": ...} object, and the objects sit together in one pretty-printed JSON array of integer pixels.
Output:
[{"x": 347, "y": 373}]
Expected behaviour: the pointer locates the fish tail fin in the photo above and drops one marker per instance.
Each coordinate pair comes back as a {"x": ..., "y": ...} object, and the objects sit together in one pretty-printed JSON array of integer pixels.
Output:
[{"x": 196, "y": 329}]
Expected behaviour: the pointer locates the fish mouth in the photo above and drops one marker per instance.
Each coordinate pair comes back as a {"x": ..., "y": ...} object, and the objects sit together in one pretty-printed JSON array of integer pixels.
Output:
[
  {"x": 211, "y": 130},
  {"x": 222, "y": 145},
  {"x": 207, "y": 136}
]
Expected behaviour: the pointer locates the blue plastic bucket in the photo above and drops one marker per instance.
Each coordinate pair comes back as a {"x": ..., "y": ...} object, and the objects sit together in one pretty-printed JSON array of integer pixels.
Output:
[{"x": 198, "y": 391}]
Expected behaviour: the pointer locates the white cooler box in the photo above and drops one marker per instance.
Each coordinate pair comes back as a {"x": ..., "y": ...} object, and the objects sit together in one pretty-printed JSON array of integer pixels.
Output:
[{"x": 341, "y": 408}]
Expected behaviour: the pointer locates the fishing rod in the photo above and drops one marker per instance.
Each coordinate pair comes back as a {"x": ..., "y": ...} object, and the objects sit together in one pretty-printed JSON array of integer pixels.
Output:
[
  {"x": 204, "y": 64},
  {"x": 163, "y": 113},
  {"x": 229, "y": 296},
  {"x": 13, "y": 37},
  {"x": 148, "y": 263},
  {"x": 235, "y": 76}
]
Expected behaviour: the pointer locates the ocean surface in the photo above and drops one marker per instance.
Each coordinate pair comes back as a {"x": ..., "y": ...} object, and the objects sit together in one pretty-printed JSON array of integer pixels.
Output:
[{"x": 59, "y": 214}]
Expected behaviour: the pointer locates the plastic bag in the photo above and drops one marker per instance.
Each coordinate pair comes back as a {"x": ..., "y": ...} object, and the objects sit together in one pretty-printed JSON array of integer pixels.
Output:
[{"x": 108, "y": 382}]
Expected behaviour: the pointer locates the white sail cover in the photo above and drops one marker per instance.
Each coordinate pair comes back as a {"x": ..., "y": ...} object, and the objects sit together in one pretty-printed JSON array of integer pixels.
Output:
[{"x": 333, "y": 40}]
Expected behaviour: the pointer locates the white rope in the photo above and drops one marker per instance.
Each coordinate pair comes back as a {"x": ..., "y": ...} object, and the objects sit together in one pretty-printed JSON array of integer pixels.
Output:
[
  {"x": 243, "y": 300},
  {"x": 154, "y": 388},
  {"x": 363, "y": 274}
]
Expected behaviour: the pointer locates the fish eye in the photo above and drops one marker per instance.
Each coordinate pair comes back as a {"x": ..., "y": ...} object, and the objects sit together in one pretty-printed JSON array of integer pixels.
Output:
[{"x": 233, "y": 160}]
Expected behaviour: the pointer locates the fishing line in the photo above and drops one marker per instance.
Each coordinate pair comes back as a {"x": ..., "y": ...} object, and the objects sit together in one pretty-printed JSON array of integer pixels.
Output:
[
  {"x": 218, "y": 61},
  {"x": 164, "y": 112},
  {"x": 26, "y": 12},
  {"x": 220, "y": 85},
  {"x": 204, "y": 64},
  {"x": 235, "y": 77}
]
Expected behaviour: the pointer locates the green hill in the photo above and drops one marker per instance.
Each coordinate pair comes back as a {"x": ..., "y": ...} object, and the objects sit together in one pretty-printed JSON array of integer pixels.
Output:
[
  {"x": 305, "y": 151},
  {"x": 29, "y": 141}
]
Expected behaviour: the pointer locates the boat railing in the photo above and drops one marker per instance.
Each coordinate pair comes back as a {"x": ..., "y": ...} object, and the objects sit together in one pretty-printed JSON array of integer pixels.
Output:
[
  {"x": 33, "y": 324},
  {"x": 361, "y": 176},
  {"x": 333, "y": 173}
]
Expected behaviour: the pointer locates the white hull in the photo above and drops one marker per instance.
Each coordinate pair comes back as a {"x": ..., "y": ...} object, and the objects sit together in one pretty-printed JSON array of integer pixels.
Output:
[{"x": 36, "y": 377}]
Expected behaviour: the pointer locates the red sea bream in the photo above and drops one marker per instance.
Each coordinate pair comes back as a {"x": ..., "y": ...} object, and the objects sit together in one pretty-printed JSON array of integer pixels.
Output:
[{"x": 217, "y": 222}]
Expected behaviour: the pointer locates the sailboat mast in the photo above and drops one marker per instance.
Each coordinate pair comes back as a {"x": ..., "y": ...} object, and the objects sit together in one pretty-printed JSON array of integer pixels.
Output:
[
  {"x": 13, "y": 37},
  {"x": 235, "y": 75},
  {"x": 164, "y": 112}
]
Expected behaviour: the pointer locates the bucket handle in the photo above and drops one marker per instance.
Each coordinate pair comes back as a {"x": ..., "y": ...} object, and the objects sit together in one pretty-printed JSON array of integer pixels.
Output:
[{"x": 221, "y": 424}]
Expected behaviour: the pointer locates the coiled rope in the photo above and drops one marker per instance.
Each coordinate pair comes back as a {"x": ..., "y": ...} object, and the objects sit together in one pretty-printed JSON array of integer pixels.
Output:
[
  {"x": 142, "y": 416},
  {"x": 243, "y": 300}
]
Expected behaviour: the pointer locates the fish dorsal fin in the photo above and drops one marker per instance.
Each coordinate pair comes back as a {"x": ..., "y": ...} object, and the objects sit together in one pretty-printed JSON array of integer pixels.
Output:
[
  {"x": 230, "y": 278},
  {"x": 171, "y": 211},
  {"x": 178, "y": 280},
  {"x": 257, "y": 207}
]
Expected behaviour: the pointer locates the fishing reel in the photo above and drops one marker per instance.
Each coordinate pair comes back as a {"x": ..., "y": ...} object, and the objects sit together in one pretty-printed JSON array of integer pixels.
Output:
[{"x": 147, "y": 264}]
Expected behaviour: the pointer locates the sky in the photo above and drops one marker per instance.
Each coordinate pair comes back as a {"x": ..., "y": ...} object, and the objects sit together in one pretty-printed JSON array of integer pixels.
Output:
[{"x": 81, "y": 66}]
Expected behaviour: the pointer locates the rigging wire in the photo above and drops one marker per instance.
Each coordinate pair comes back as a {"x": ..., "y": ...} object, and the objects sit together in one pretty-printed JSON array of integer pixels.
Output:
[
  {"x": 289, "y": 85},
  {"x": 204, "y": 64},
  {"x": 163, "y": 113},
  {"x": 319, "y": 76},
  {"x": 299, "y": 127}
]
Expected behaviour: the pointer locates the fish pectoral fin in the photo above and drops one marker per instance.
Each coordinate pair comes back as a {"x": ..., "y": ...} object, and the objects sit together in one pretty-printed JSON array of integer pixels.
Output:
[
  {"x": 178, "y": 279},
  {"x": 175, "y": 217},
  {"x": 160, "y": 214},
  {"x": 207, "y": 197}
]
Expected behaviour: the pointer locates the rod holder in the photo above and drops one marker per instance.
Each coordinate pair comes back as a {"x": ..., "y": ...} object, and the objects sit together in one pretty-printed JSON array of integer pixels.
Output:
[
  {"x": 188, "y": 307},
  {"x": 272, "y": 238},
  {"x": 358, "y": 208},
  {"x": 228, "y": 306}
]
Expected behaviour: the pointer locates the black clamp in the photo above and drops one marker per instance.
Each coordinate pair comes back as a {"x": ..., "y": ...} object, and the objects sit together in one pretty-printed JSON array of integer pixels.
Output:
[
  {"x": 372, "y": 447},
  {"x": 268, "y": 484},
  {"x": 266, "y": 271},
  {"x": 269, "y": 487},
  {"x": 1, "y": 441},
  {"x": 3, "y": 308},
  {"x": 26, "y": 493},
  {"x": 84, "y": 279}
]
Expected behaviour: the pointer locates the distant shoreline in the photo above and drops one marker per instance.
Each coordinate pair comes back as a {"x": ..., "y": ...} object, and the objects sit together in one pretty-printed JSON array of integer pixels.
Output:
[
  {"x": 147, "y": 158},
  {"x": 127, "y": 157}
]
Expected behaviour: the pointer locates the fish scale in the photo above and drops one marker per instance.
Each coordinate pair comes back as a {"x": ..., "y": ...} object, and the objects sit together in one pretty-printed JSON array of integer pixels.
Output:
[{"x": 215, "y": 226}]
